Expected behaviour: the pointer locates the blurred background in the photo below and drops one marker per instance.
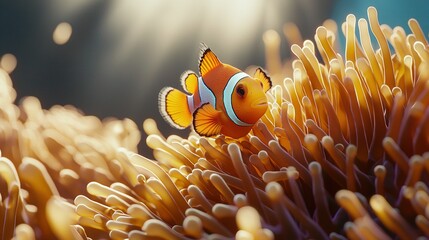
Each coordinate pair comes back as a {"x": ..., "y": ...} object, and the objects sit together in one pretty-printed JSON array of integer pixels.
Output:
[{"x": 111, "y": 58}]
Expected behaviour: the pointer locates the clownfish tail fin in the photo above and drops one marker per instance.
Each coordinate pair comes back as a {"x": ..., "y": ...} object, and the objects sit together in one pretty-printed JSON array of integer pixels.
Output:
[{"x": 173, "y": 106}]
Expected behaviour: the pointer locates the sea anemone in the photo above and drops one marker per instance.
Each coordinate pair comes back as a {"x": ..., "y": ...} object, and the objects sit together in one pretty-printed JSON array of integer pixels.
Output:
[
  {"x": 342, "y": 152},
  {"x": 47, "y": 159}
]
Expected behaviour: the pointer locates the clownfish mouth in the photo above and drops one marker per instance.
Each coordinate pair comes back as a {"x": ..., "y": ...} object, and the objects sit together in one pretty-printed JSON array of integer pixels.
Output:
[{"x": 260, "y": 103}]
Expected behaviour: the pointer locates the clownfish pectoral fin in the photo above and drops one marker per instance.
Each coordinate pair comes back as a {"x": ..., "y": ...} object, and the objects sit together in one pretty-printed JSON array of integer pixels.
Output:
[
  {"x": 207, "y": 121},
  {"x": 263, "y": 77},
  {"x": 208, "y": 60},
  {"x": 173, "y": 106},
  {"x": 189, "y": 82}
]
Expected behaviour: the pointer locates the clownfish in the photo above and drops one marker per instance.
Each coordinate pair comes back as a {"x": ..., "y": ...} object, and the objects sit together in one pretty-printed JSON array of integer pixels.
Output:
[{"x": 222, "y": 100}]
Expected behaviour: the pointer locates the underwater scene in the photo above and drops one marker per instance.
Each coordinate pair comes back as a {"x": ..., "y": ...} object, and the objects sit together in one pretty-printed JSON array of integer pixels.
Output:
[{"x": 225, "y": 120}]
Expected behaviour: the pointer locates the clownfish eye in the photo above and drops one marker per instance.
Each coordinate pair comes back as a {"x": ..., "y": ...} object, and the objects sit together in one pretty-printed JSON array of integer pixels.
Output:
[{"x": 240, "y": 90}]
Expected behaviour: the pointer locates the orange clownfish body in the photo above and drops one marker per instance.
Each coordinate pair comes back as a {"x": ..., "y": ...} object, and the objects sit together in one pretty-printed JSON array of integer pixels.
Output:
[{"x": 223, "y": 100}]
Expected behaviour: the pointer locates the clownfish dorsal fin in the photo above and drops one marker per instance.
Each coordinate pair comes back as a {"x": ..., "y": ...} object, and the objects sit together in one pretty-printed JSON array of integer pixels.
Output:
[
  {"x": 208, "y": 60},
  {"x": 263, "y": 77},
  {"x": 207, "y": 120},
  {"x": 189, "y": 82}
]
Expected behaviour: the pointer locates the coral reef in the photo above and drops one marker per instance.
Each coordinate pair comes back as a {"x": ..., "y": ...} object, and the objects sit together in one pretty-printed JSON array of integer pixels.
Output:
[{"x": 342, "y": 153}]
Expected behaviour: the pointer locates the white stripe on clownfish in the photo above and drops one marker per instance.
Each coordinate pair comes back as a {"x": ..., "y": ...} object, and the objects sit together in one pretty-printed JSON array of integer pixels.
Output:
[
  {"x": 206, "y": 94},
  {"x": 227, "y": 98},
  {"x": 190, "y": 101}
]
